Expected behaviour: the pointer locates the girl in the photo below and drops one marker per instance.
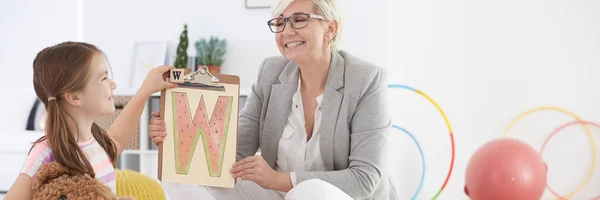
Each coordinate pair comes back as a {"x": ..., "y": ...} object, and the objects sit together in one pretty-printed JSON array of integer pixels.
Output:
[{"x": 71, "y": 79}]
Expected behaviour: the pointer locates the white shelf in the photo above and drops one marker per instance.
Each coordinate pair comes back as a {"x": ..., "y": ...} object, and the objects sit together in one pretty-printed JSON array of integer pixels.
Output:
[
  {"x": 131, "y": 151},
  {"x": 143, "y": 160},
  {"x": 14, "y": 148},
  {"x": 135, "y": 151},
  {"x": 152, "y": 152}
]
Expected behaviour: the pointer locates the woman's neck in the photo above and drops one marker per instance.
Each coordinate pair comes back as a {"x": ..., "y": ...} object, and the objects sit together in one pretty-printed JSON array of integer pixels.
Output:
[{"x": 313, "y": 73}]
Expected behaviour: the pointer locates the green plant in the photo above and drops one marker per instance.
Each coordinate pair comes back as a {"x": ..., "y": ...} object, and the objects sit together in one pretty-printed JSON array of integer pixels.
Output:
[
  {"x": 211, "y": 52},
  {"x": 181, "y": 61}
]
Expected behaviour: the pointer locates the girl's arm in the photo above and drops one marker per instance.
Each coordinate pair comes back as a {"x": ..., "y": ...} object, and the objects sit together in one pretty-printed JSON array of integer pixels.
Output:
[
  {"x": 125, "y": 125},
  {"x": 21, "y": 188},
  {"x": 127, "y": 122}
]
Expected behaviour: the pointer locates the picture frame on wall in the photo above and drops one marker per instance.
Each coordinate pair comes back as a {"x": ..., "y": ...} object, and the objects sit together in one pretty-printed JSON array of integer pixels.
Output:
[
  {"x": 254, "y": 4},
  {"x": 146, "y": 56}
]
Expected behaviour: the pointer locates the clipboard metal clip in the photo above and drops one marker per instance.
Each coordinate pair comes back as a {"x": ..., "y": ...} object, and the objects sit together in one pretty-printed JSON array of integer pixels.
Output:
[{"x": 201, "y": 78}]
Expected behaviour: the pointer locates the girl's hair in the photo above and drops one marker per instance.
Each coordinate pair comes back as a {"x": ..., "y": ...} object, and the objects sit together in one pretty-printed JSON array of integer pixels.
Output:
[{"x": 57, "y": 70}]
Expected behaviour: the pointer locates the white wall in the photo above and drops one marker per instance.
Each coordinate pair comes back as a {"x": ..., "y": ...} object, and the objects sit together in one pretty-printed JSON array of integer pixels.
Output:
[
  {"x": 485, "y": 62},
  {"x": 115, "y": 25},
  {"x": 26, "y": 27}
]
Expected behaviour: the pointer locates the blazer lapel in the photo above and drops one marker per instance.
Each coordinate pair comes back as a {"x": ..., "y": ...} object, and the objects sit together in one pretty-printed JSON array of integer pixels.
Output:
[
  {"x": 280, "y": 104},
  {"x": 332, "y": 101}
]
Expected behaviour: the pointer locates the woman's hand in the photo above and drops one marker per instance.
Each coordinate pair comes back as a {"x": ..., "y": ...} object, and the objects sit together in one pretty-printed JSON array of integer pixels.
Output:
[
  {"x": 155, "y": 82},
  {"x": 157, "y": 128},
  {"x": 256, "y": 169}
]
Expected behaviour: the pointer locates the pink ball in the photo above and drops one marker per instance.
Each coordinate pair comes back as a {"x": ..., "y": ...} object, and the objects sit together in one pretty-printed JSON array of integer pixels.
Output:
[{"x": 505, "y": 169}]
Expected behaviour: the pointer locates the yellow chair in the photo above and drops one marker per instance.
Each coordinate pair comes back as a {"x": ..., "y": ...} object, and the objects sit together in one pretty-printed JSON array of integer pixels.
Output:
[{"x": 140, "y": 186}]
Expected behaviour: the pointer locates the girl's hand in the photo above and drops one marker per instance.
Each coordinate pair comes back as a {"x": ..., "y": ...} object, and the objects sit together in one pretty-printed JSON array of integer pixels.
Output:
[
  {"x": 155, "y": 82},
  {"x": 157, "y": 128}
]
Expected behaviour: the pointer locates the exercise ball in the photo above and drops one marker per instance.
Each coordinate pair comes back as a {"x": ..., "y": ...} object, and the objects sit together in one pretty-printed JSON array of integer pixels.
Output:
[
  {"x": 505, "y": 169},
  {"x": 138, "y": 185}
]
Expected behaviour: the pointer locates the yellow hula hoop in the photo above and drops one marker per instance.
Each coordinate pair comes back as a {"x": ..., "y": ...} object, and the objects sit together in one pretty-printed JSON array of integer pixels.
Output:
[{"x": 587, "y": 129}]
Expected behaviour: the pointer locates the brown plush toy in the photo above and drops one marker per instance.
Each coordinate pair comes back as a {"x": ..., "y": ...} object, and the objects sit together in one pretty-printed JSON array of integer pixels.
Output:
[{"x": 53, "y": 181}]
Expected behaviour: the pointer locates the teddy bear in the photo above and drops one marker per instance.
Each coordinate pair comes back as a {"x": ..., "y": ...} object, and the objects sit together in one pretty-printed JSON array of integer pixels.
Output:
[{"x": 53, "y": 181}]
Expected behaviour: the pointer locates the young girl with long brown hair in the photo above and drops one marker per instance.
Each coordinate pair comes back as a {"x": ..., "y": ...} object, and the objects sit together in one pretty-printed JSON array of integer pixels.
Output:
[{"x": 72, "y": 81}]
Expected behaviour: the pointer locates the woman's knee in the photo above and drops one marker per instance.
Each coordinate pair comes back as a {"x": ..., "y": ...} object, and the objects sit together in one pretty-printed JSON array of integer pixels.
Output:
[
  {"x": 314, "y": 184},
  {"x": 315, "y": 189}
]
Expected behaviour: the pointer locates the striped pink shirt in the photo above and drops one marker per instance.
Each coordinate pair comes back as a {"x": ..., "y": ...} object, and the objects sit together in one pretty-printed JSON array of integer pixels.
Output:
[{"x": 105, "y": 173}]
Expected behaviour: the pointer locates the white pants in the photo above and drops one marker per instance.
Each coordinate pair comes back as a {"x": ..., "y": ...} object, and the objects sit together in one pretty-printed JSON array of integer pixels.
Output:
[{"x": 248, "y": 190}]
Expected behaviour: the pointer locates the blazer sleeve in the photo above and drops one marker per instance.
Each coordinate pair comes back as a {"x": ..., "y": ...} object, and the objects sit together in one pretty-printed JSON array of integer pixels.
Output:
[
  {"x": 249, "y": 120},
  {"x": 369, "y": 128}
]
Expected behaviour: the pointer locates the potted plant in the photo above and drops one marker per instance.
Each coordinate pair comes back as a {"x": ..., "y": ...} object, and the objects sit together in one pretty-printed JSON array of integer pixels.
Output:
[
  {"x": 181, "y": 61},
  {"x": 211, "y": 53}
]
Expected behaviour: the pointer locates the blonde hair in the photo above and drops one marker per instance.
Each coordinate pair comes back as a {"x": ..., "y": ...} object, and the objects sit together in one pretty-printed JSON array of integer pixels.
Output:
[{"x": 326, "y": 8}]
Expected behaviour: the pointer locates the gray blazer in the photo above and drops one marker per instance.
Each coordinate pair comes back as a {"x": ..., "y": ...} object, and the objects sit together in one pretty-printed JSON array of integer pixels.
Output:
[{"x": 354, "y": 127}]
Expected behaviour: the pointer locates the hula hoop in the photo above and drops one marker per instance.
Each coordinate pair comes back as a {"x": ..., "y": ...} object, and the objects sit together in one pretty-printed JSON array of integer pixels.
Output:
[
  {"x": 552, "y": 135},
  {"x": 447, "y": 124},
  {"x": 587, "y": 129},
  {"x": 422, "y": 160}
]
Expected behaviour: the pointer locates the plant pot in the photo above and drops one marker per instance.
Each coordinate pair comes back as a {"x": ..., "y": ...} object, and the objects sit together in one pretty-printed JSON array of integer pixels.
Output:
[{"x": 214, "y": 69}]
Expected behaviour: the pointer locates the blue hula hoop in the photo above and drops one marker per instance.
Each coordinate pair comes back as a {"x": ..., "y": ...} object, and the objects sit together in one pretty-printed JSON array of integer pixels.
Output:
[
  {"x": 447, "y": 125},
  {"x": 422, "y": 160}
]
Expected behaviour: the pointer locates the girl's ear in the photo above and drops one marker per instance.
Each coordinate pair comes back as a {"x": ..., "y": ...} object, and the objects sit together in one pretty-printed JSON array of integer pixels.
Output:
[{"x": 72, "y": 98}]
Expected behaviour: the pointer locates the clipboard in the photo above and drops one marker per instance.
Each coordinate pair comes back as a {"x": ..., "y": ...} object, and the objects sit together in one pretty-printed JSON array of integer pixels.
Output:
[{"x": 201, "y": 117}]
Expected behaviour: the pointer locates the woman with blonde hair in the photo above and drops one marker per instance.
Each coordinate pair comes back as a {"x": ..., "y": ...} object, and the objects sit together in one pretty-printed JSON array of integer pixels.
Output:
[{"x": 318, "y": 114}]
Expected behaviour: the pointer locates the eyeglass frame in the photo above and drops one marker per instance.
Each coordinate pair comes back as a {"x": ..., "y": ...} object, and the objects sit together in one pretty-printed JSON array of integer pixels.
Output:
[{"x": 287, "y": 19}]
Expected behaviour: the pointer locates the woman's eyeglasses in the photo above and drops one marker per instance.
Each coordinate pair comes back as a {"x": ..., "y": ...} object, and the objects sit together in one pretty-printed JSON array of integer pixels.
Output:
[{"x": 297, "y": 21}]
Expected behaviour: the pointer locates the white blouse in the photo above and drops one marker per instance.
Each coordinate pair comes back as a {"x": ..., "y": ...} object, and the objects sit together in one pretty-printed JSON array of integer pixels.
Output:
[{"x": 294, "y": 152}]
